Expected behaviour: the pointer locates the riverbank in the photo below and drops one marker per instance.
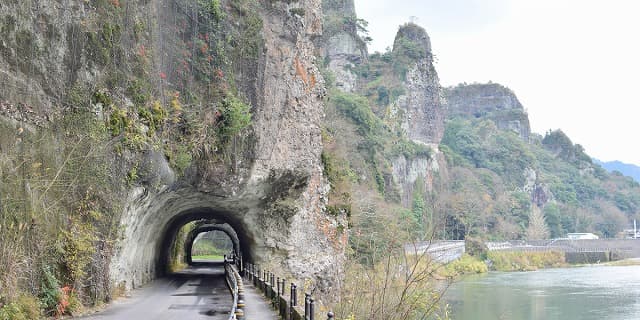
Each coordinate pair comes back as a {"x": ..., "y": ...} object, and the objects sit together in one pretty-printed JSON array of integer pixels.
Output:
[
  {"x": 624, "y": 263},
  {"x": 525, "y": 260}
]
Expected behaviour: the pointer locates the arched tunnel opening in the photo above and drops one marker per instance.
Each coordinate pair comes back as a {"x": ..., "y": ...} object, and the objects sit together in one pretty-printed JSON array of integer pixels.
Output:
[
  {"x": 273, "y": 234},
  {"x": 208, "y": 246},
  {"x": 182, "y": 231}
]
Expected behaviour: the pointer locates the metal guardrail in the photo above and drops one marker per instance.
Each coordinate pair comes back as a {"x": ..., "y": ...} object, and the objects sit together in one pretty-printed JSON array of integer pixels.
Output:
[
  {"x": 234, "y": 281},
  {"x": 273, "y": 289}
]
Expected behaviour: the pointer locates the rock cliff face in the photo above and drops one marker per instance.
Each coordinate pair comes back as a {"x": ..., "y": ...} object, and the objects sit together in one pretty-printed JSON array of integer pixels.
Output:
[
  {"x": 117, "y": 57},
  {"x": 422, "y": 104},
  {"x": 420, "y": 108},
  {"x": 341, "y": 45},
  {"x": 489, "y": 100}
]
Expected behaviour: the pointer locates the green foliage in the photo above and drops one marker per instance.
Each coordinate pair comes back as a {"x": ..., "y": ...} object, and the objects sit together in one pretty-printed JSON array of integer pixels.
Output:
[
  {"x": 212, "y": 245},
  {"x": 410, "y": 149},
  {"x": 45, "y": 224},
  {"x": 138, "y": 91},
  {"x": 406, "y": 52},
  {"x": 103, "y": 47},
  {"x": 49, "y": 291},
  {"x": 176, "y": 253},
  {"x": 26, "y": 307},
  {"x": 524, "y": 260},
  {"x": 357, "y": 109},
  {"x": 560, "y": 144},
  {"x": 553, "y": 217},
  {"x": 181, "y": 159},
  {"x": 119, "y": 121},
  {"x": 214, "y": 9},
  {"x": 328, "y": 167},
  {"x": 132, "y": 175},
  {"x": 235, "y": 116},
  {"x": 482, "y": 145},
  {"x": 297, "y": 11},
  {"x": 467, "y": 264},
  {"x": 476, "y": 247}
]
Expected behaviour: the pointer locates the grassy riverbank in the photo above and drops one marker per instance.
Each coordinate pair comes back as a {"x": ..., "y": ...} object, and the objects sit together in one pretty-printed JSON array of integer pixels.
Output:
[
  {"x": 525, "y": 261},
  {"x": 465, "y": 265}
]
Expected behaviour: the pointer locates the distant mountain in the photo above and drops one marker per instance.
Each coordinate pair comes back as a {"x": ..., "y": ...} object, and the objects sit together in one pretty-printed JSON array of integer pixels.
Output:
[{"x": 626, "y": 169}]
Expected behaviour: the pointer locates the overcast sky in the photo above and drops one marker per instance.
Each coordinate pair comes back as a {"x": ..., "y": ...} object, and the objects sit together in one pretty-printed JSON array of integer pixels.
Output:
[{"x": 574, "y": 64}]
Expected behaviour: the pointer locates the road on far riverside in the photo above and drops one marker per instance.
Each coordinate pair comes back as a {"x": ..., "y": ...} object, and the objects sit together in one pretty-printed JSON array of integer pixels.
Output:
[{"x": 197, "y": 292}]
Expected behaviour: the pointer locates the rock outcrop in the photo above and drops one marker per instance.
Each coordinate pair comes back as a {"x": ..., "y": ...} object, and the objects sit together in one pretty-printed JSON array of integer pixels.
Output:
[
  {"x": 493, "y": 101},
  {"x": 420, "y": 109},
  {"x": 341, "y": 45},
  {"x": 137, "y": 59}
]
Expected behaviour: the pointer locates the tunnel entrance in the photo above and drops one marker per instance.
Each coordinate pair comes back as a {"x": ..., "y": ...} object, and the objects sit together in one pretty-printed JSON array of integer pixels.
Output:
[
  {"x": 210, "y": 246},
  {"x": 266, "y": 228},
  {"x": 212, "y": 234}
]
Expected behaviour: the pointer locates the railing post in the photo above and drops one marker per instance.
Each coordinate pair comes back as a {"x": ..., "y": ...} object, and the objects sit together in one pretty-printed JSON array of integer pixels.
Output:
[
  {"x": 283, "y": 286},
  {"x": 307, "y": 307},
  {"x": 330, "y": 315},
  {"x": 295, "y": 295},
  {"x": 293, "y": 300},
  {"x": 273, "y": 290},
  {"x": 278, "y": 280},
  {"x": 312, "y": 307}
]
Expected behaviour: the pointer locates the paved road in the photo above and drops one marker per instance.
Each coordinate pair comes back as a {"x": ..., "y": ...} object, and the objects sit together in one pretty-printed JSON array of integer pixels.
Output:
[{"x": 198, "y": 292}]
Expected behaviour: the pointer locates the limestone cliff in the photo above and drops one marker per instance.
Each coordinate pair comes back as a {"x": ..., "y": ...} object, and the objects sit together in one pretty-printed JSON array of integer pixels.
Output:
[
  {"x": 420, "y": 109},
  {"x": 212, "y": 110},
  {"x": 341, "y": 45},
  {"x": 490, "y": 100},
  {"x": 423, "y": 118}
]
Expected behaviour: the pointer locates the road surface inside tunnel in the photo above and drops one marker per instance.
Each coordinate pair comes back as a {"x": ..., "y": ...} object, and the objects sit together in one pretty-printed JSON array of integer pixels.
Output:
[{"x": 197, "y": 292}]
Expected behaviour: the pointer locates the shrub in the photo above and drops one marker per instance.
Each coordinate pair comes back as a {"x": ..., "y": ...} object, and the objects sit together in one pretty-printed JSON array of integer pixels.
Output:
[
  {"x": 475, "y": 247},
  {"x": 50, "y": 291},
  {"x": 26, "y": 307},
  {"x": 465, "y": 265},
  {"x": 234, "y": 116},
  {"x": 357, "y": 109},
  {"x": 525, "y": 260}
]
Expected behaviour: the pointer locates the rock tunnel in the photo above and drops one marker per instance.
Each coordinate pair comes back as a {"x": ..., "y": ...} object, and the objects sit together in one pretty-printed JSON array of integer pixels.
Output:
[
  {"x": 271, "y": 192},
  {"x": 151, "y": 223},
  {"x": 273, "y": 222},
  {"x": 205, "y": 226},
  {"x": 205, "y": 220}
]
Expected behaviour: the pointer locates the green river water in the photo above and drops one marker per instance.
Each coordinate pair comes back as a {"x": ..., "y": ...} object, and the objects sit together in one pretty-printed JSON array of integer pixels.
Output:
[{"x": 582, "y": 293}]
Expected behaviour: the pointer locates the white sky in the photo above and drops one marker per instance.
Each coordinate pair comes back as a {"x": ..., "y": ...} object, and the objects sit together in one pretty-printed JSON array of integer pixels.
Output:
[{"x": 574, "y": 64}]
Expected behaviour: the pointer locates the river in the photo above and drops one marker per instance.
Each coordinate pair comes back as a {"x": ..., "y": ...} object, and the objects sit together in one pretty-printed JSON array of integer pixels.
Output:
[{"x": 582, "y": 293}]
